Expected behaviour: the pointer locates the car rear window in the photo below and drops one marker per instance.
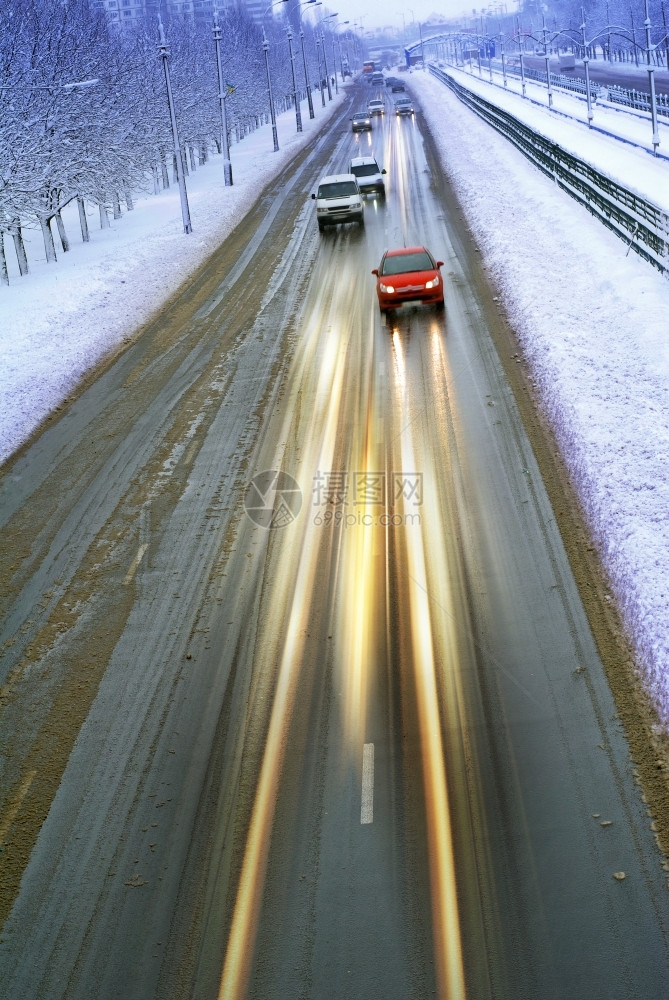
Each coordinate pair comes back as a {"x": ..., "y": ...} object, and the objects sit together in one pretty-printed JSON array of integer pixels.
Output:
[
  {"x": 401, "y": 263},
  {"x": 339, "y": 190},
  {"x": 366, "y": 170}
]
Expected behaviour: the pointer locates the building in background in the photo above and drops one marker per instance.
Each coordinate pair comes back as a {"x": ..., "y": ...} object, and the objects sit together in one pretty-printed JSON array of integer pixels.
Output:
[{"x": 129, "y": 13}]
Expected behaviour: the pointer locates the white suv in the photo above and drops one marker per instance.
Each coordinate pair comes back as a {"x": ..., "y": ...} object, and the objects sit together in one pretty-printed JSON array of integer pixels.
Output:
[
  {"x": 338, "y": 199},
  {"x": 369, "y": 175}
]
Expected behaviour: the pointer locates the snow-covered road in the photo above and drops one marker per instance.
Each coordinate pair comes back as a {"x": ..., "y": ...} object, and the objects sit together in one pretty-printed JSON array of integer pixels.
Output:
[{"x": 591, "y": 320}]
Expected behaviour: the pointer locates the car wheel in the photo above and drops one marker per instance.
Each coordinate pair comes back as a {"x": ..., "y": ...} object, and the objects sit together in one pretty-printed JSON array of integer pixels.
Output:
[
  {"x": 440, "y": 305},
  {"x": 321, "y": 227},
  {"x": 361, "y": 220}
]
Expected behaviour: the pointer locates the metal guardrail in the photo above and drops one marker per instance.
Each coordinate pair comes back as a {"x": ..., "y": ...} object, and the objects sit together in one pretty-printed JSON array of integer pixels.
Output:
[
  {"x": 640, "y": 223},
  {"x": 572, "y": 83},
  {"x": 636, "y": 99}
]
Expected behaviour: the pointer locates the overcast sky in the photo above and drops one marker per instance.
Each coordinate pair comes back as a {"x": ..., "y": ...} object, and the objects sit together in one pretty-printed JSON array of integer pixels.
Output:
[{"x": 374, "y": 13}]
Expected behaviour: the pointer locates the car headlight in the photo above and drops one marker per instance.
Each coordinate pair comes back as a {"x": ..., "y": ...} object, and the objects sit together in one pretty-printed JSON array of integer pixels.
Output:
[
  {"x": 386, "y": 288},
  {"x": 433, "y": 283}
]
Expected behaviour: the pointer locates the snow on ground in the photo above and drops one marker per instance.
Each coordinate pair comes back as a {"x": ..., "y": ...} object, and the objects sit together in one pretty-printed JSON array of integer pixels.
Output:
[
  {"x": 607, "y": 115},
  {"x": 635, "y": 167},
  {"x": 592, "y": 322},
  {"x": 62, "y": 319}
]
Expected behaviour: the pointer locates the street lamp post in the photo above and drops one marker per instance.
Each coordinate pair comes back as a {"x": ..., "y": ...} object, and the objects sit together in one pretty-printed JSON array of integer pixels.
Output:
[
  {"x": 521, "y": 48},
  {"x": 298, "y": 112},
  {"x": 321, "y": 71},
  {"x": 501, "y": 45},
  {"x": 265, "y": 48},
  {"x": 489, "y": 48},
  {"x": 548, "y": 64},
  {"x": 651, "y": 81},
  {"x": 306, "y": 77},
  {"x": 648, "y": 49},
  {"x": 325, "y": 58},
  {"x": 227, "y": 166},
  {"x": 325, "y": 63},
  {"x": 163, "y": 53},
  {"x": 337, "y": 41},
  {"x": 309, "y": 3},
  {"x": 586, "y": 66},
  {"x": 334, "y": 62}
]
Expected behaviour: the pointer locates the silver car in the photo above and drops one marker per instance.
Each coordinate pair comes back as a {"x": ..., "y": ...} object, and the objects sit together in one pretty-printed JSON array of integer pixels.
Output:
[{"x": 369, "y": 175}]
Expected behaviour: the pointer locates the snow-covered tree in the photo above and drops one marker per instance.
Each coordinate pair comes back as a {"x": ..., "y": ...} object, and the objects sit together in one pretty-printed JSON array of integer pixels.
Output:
[{"x": 102, "y": 142}]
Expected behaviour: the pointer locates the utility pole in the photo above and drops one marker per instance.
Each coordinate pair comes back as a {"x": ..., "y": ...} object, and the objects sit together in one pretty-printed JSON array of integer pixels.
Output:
[
  {"x": 325, "y": 63},
  {"x": 222, "y": 95},
  {"x": 651, "y": 80},
  {"x": 298, "y": 110},
  {"x": 306, "y": 76},
  {"x": 265, "y": 48},
  {"x": 163, "y": 53},
  {"x": 320, "y": 72}
]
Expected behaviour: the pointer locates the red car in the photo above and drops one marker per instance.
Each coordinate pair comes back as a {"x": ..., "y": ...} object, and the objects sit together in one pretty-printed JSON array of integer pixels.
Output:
[{"x": 409, "y": 275}]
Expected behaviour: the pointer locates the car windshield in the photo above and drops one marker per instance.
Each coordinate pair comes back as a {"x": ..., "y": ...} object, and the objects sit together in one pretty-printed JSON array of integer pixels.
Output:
[
  {"x": 401, "y": 263},
  {"x": 340, "y": 189},
  {"x": 359, "y": 118},
  {"x": 365, "y": 170}
]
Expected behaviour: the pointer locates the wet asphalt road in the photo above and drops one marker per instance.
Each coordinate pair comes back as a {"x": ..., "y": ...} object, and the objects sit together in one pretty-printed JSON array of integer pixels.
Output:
[{"x": 368, "y": 752}]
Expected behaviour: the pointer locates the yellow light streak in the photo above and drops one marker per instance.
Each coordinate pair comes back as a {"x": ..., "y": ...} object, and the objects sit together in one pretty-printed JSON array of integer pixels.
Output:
[
  {"x": 357, "y": 609},
  {"x": 300, "y": 564},
  {"x": 445, "y": 916},
  {"x": 443, "y": 882},
  {"x": 326, "y": 350},
  {"x": 359, "y": 575},
  {"x": 247, "y": 906}
]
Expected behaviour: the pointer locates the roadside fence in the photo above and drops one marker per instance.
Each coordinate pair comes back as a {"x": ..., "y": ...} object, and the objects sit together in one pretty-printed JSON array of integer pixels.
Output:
[{"x": 641, "y": 224}]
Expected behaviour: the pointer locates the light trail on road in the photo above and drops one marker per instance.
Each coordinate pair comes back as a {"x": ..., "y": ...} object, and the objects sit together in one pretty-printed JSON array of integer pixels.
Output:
[
  {"x": 344, "y": 756},
  {"x": 424, "y": 660},
  {"x": 298, "y": 567}
]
